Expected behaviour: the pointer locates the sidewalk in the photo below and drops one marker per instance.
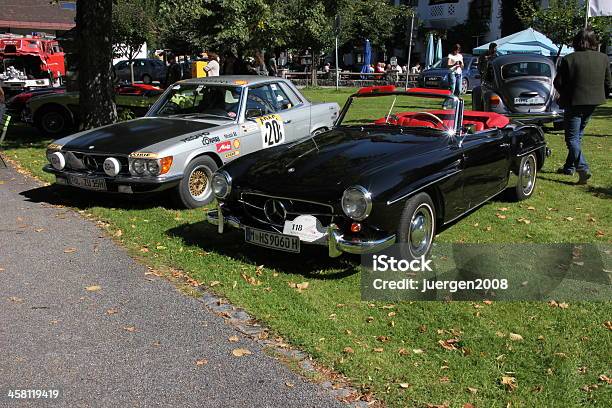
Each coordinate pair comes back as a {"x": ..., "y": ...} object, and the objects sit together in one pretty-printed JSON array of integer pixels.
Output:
[{"x": 127, "y": 341}]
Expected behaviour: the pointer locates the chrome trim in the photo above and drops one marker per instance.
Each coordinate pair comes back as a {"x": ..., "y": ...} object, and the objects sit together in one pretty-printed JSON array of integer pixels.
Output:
[
  {"x": 288, "y": 198},
  {"x": 425, "y": 186},
  {"x": 366, "y": 195},
  {"x": 529, "y": 151}
]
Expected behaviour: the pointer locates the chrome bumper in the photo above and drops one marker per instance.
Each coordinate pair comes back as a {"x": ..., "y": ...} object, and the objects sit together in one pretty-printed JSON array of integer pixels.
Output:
[{"x": 336, "y": 242}]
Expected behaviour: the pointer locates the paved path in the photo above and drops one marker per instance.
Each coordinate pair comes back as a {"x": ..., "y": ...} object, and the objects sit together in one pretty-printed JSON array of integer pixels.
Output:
[{"x": 56, "y": 334}]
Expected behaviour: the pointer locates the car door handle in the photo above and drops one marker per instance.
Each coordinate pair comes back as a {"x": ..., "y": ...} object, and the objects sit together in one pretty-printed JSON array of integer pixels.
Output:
[{"x": 287, "y": 122}]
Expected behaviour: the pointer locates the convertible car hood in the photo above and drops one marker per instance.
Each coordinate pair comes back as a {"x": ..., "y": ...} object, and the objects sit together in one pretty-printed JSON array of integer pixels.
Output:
[
  {"x": 340, "y": 158},
  {"x": 134, "y": 135}
]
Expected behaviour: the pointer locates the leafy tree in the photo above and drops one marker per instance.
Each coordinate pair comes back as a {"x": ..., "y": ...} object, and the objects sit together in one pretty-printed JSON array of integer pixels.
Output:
[
  {"x": 93, "y": 19},
  {"x": 133, "y": 25},
  {"x": 510, "y": 22},
  {"x": 370, "y": 19},
  {"x": 561, "y": 20}
]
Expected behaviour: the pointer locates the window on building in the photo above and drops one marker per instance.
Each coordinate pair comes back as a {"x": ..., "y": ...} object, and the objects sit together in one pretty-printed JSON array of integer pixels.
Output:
[{"x": 482, "y": 9}]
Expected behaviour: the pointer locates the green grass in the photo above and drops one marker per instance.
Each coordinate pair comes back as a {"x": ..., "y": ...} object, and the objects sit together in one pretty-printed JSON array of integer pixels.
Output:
[{"x": 329, "y": 316}]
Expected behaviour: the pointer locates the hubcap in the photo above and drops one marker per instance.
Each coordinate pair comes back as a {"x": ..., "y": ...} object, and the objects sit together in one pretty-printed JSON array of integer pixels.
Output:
[
  {"x": 528, "y": 174},
  {"x": 464, "y": 86},
  {"x": 53, "y": 122},
  {"x": 420, "y": 230},
  {"x": 199, "y": 187}
]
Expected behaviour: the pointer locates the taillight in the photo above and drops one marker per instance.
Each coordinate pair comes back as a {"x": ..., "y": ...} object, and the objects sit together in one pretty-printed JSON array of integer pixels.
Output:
[{"x": 494, "y": 100}]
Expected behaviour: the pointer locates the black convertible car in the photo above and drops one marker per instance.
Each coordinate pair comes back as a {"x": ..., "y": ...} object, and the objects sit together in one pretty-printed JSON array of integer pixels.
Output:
[{"x": 396, "y": 167}]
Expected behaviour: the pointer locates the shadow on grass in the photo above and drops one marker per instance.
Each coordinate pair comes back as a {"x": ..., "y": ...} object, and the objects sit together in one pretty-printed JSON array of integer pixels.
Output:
[
  {"x": 313, "y": 261},
  {"x": 82, "y": 199},
  {"x": 20, "y": 135}
]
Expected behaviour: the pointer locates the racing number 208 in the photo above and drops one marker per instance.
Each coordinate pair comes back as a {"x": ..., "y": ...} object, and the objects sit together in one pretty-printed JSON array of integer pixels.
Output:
[{"x": 274, "y": 133}]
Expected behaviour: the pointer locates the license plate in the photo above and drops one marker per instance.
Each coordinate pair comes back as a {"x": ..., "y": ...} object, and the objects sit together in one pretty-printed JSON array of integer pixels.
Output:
[
  {"x": 282, "y": 242},
  {"x": 529, "y": 101},
  {"x": 98, "y": 184},
  {"x": 433, "y": 83}
]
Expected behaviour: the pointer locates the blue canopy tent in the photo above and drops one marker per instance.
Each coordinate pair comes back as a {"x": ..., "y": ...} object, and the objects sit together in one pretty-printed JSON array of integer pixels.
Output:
[
  {"x": 429, "y": 53},
  {"x": 367, "y": 57},
  {"x": 438, "y": 51},
  {"x": 528, "y": 41}
]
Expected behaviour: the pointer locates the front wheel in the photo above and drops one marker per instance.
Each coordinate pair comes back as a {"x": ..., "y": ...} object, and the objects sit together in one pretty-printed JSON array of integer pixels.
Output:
[
  {"x": 195, "y": 189},
  {"x": 53, "y": 121},
  {"x": 526, "y": 177},
  {"x": 417, "y": 226}
]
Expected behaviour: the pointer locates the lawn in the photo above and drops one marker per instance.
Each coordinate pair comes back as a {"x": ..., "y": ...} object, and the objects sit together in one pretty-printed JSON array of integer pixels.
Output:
[{"x": 397, "y": 350}]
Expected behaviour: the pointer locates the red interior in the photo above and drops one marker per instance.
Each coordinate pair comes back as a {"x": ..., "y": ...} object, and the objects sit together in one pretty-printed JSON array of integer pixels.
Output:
[{"x": 480, "y": 120}]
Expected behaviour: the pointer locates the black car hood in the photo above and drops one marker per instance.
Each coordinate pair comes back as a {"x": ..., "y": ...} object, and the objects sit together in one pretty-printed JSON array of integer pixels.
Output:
[
  {"x": 134, "y": 135},
  {"x": 340, "y": 158}
]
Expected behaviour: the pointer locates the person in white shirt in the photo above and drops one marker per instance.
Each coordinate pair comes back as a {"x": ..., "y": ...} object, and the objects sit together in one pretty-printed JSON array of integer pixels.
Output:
[
  {"x": 212, "y": 68},
  {"x": 455, "y": 64}
]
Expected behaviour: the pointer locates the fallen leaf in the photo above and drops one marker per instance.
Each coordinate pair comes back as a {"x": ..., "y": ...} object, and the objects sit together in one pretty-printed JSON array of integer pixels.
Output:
[
  {"x": 605, "y": 379},
  {"x": 39, "y": 229},
  {"x": 253, "y": 281},
  {"x": 241, "y": 352},
  {"x": 563, "y": 305},
  {"x": 444, "y": 379},
  {"x": 515, "y": 337},
  {"x": 582, "y": 370},
  {"x": 130, "y": 329},
  {"x": 118, "y": 233},
  {"x": 201, "y": 362},
  {"x": 403, "y": 352},
  {"x": 472, "y": 390},
  {"x": 503, "y": 209},
  {"x": 93, "y": 288},
  {"x": 144, "y": 249},
  {"x": 531, "y": 208},
  {"x": 70, "y": 250},
  {"x": 487, "y": 302},
  {"x": 378, "y": 350},
  {"x": 448, "y": 344},
  {"x": 418, "y": 351},
  {"x": 383, "y": 339},
  {"x": 500, "y": 216},
  {"x": 289, "y": 384},
  {"x": 111, "y": 312},
  {"x": 233, "y": 339},
  {"x": 608, "y": 325},
  {"x": 404, "y": 385},
  {"x": 391, "y": 314},
  {"x": 599, "y": 233},
  {"x": 369, "y": 319},
  {"x": 569, "y": 218},
  {"x": 214, "y": 283},
  {"x": 302, "y": 286},
  {"x": 160, "y": 247},
  {"x": 348, "y": 350},
  {"x": 488, "y": 228},
  {"x": 468, "y": 405},
  {"x": 509, "y": 382},
  {"x": 16, "y": 299}
]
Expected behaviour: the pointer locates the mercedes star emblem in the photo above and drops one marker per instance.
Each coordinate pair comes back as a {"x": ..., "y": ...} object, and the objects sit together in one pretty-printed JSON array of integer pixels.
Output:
[{"x": 275, "y": 211}]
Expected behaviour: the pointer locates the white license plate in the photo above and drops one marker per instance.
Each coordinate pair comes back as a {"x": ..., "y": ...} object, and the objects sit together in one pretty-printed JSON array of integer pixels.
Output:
[
  {"x": 282, "y": 242},
  {"x": 433, "y": 83},
  {"x": 529, "y": 101},
  {"x": 98, "y": 184}
]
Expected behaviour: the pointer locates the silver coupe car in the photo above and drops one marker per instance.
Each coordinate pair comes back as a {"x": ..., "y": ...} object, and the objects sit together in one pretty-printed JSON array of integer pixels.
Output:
[{"x": 194, "y": 128}]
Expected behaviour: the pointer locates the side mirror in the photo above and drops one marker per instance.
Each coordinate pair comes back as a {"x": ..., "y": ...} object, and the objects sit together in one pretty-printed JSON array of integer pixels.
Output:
[{"x": 253, "y": 113}]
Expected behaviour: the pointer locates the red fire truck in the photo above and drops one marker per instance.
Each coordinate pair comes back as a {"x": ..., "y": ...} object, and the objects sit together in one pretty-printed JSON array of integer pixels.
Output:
[{"x": 29, "y": 62}]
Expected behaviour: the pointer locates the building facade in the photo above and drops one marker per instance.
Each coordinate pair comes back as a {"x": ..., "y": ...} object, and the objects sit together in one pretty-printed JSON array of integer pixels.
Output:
[{"x": 36, "y": 16}]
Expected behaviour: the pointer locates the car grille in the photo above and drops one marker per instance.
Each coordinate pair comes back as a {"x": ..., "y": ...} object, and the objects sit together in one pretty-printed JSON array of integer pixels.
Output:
[
  {"x": 93, "y": 163},
  {"x": 274, "y": 211}
]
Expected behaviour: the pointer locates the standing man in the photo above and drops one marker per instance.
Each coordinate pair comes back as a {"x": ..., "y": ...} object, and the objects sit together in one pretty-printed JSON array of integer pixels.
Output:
[
  {"x": 583, "y": 81},
  {"x": 455, "y": 64},
  {"x": 174, "y": 72},
  {"x": 272, "y": 67},
  {"x": 485, "y": 59}
]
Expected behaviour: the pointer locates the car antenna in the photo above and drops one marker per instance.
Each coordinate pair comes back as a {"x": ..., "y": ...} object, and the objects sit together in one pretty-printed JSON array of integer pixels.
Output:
[{"x": 391, "y": 109}]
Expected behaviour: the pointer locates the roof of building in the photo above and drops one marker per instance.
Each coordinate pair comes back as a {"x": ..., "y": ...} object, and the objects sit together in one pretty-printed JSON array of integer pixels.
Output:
[{"x": 36, "y": 14}]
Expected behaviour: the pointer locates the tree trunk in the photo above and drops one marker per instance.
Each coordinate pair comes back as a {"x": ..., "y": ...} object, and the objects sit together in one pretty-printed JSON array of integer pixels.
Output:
[
  {"x": 313, "y": 69},
  {"x": 97, "y": 106}
]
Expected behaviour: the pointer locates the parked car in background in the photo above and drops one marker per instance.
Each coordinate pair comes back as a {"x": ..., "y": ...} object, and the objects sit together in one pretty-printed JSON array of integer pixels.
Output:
[
  {"x": 58, "y": 113},
  {"x": 16, "y": 104},
  {"x": 146, "y": 70},
  {"x": 520, "y": 85},
  {"x": 382, "y": 175},
  {"x": 437, "y": 75},
  {"x": 193, "y": 129}
]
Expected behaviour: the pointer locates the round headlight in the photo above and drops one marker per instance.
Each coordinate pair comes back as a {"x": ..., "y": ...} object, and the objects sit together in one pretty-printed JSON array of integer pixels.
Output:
[
  {"x": 153, "y": 167},
  {"x": 221, "y": 184},
  {"x": 139, "y": 166},
  {"x": 357, "y": 203},
  {"x": 57, "y": 160},
  {"x": 111, "y": 166}
]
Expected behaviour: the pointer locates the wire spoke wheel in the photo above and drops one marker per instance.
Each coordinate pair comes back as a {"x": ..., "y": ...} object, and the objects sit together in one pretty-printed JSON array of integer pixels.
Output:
[{"x": 199, "y": 183}]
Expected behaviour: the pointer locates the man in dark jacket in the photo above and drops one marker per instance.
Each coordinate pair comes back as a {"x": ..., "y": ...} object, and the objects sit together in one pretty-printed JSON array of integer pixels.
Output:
[{"x": 583, "y": 81}]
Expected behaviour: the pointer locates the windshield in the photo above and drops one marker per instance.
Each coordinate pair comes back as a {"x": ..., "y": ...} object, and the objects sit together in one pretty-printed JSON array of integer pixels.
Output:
[
  {"x": 414, "y": 111},
  {"x": 523, "y": 69},
  {"x": 199, "y": 100}
]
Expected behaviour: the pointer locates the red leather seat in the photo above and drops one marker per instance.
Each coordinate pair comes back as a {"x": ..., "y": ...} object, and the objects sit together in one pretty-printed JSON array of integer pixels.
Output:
[{"x": 480, "y": 120}]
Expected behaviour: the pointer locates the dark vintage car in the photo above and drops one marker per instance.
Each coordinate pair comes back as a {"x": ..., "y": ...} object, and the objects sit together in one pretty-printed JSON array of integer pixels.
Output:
[
  {"x": 520, "y": 85},
  {"x": 396, "y": 167},
  {"x": 437, "y": 75}
]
